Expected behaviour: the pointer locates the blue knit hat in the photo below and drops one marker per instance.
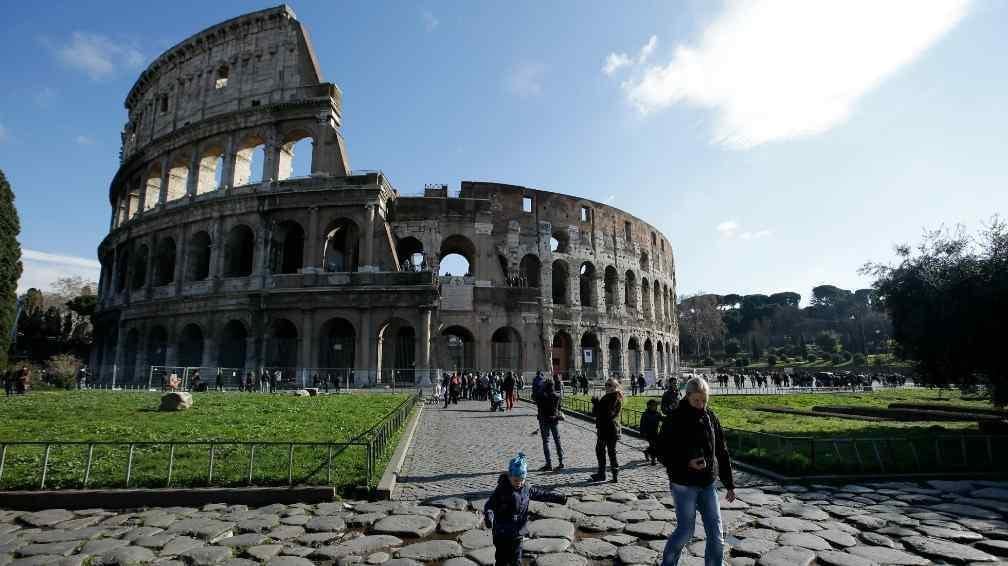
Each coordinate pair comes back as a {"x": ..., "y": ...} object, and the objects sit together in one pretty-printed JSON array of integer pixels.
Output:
[{"x": 518, "y": 466}]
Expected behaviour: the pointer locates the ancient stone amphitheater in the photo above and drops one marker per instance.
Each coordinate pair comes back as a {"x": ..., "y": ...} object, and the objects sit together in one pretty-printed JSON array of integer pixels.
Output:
[{"x": 241, "y": 239}]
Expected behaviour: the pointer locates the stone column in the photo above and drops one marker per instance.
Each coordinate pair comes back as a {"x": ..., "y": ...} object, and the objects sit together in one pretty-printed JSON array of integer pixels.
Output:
[
  {"x": 423, "y": 347},
  {"x": 216, "y": 250},
  {"x": 180, "y": 246},
  {"x": 312, "y": 246},
  {"x": 209, "y": 350},
  {"x": 228, "y": 167},
  {"x": 192, "y": 181},
  {"x": 271, "y": 167},
  {"x": 365, "y": 341},
  {"x": 368, "y": 264},
  {"x": 163, "y": 191},
  {"x": 307, "y": 339}
]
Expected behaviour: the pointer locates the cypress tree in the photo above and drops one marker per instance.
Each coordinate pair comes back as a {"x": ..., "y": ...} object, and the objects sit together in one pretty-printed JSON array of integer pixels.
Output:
[{"x": 10, "y": 265}]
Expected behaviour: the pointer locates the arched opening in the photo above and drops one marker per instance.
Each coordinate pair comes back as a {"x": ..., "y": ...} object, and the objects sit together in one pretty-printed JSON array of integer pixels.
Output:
[
  {"x": 531, "y": 269},
  {"x": 122, "y": 269},
  {"x": 152, "y": 191},
  {"x": 164, "y": 261},
  {"x": 129, "y": 373},
  {"x": 657, "y": 301},
  {"x": 338, "y": 344},
  {"x": 659, "y": 359},
  {"x": 178, "y": 179},
  {"x": 341, "y": 250},
  {"x": 199, "y": 257},
  {"x": 645, "y": 265},
  {"x": 249, "y": 161},
  {"x": 615, "y": 356},
  {"x": 506, "y": 349},
  {"x": 457, "y": 256},
  {"x": 630, "y": 291},
  {"x": 231, "y": 350},
  {"x": 611, "y": 282},
  {"x": 459, "y": 349},
  {"x": 239, "y": 249},
  {"x": 586, "y": 283},
  {"x": 282, "y": 344},
  {"x": 646, "y": 297},
  {"x": 286, "y": 247},
  {"x": 190, "y": 346},
  {"x": 590, "y": 354},
  {"x": 211, "y": 164},
  {"x": 561, "y": 353},
  {"x": 157, "y": 346},
  {"x": 560, "y": 241},
  {"x": 649, "y": 359},
  {"x": 397, "y": 351},
  {"x": 223, "y": 73},
  {"x": 633, "y": 355},
  {"x": 139, "y": 278},
  {"x": 296, "y": 156},
  {"x": 561, "y": 278},
  {"x": 411, "y": 255}
]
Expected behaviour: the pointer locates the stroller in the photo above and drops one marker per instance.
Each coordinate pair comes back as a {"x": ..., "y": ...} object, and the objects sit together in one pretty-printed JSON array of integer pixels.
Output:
[{"x": 496, "y": 400}]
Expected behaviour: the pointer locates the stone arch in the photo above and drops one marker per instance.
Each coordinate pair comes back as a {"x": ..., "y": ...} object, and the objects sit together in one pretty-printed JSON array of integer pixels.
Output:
[
  {"x": 587, "y": 285},
  {"x": 506, "y": 349},
  {"x": 211, "y": 166},
  {"x": 337, "y": 344},
  {"x": 633, "y": 356},
  {"x": 531, "y": 269},
  {"x": 164, "y": 261},
  {"x": 198, "y": 268},
  {"x": 190, "y": 345},
  {"x": 658, "y": 301},
  {"x": 561, "y": 353},
  {"x": 560, "y": 241},
  {"x": 139, "y": 276},
  {"x": 459, "y": 245},
  {"x": 232, "y": 346},
  {"x": 561, "y": 282},
  {"x": 459, "y": 348},
  {"x": 287, "y": 247},
  {"x": 250, "y": 161},
  {"x": 396, "y": 351},
  {"x": 157, "y": 346},
  {"x": 122, "y": 269},
  {"x": 411, "y": 254},
  {"x": 630, "y": 290},
  {"x": 178, "y": 178},
  {"x": 131, "y": 354},
  {"x": 645, "y": 263},
  {"x": 590, "y": 349},
  {"x": 645, "y": 297},
  {"x": 282, "y": 344},
  {"x": 341, "y": 249},
  {"x": 296, "y": 154},
  {"x": 611, "y": 284},
  {"x": 239, "y": 251},
  {"x": 152, "y": 194},
  {"x": 615, "y": 355}
]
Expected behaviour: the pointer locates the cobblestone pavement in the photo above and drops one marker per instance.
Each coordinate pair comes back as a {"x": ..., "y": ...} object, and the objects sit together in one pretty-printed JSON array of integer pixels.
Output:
[{"x": 876, "y": 524}]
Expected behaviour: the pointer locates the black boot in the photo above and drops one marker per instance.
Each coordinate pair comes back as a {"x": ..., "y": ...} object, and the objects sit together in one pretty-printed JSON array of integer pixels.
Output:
[
  {"x": 615, "y": 475},
  {"x": 561, "y": 466},
  {"x": 600, "y": 476}
]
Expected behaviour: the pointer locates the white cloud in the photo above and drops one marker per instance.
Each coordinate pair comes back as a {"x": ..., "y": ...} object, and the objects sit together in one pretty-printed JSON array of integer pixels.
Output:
[
  {"x": 616, "y": 61},
  {"x": 609, "y": 199},
  {"x": 755, "y": 235},
  {"x": 84, "y": 140},
  {"x": 430, "y": 22},
  {"x": 97, "y": 55},
  {"x": 779, "y": 69},
  {"x": 647, "y": 50},
  {"x": 42, "y": 269},
  {"x": 525, "y": 80},
  {"x": 727, "y": 228},
  {"x": 730, "y": 229}
]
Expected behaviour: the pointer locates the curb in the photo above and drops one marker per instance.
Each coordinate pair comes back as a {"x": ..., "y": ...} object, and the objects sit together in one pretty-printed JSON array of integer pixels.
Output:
[
  {"x": 134, "y": 498},
  {"x": 390, "y": 477}
]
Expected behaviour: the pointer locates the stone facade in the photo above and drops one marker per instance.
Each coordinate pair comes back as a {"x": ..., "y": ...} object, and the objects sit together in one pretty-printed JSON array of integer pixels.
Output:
[{"x": 218, "y": 257}]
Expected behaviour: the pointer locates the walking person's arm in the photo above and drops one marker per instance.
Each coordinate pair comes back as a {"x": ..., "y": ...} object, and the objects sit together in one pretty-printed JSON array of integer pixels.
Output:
[{"x": 723, "y": 459}]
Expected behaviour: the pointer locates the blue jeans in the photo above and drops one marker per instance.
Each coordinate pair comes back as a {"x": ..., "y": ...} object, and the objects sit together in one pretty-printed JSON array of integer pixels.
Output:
[
  {"x": 545, "y": 429},
  {"x": 689, "y": 500}
]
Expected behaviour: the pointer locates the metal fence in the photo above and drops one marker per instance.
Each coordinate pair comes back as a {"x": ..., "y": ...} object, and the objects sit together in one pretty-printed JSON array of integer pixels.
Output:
[{"x": 226, "y": 463}]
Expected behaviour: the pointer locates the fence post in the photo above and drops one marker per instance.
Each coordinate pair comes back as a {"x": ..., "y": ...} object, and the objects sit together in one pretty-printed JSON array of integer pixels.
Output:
[
  {"x": 129, "y": 465},
  {"x": 3, "y": 458},
  {"x": 290, "y": 465},
  {"x": 87, "y": 470},
  {"x": 251, "y": 460},
  {"x": 210, "y": 471},
  {"x": 171, "y": 463},
  {"x": 45, "y": 466}
]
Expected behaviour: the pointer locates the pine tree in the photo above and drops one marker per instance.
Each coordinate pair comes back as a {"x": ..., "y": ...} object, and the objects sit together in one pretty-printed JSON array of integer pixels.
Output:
[{"x": 10, "y": 265}]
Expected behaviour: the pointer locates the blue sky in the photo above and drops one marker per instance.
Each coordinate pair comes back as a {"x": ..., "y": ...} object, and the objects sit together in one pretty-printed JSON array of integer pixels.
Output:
[{"x": 778, "y": 145}]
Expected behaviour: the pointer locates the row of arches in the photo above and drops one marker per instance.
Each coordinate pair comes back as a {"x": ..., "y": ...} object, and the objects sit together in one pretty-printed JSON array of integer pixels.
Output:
[
  {"x": 656, "y": 298},
  {"x": 656, "y": 356},
  {"x": 210, "y": 167}
]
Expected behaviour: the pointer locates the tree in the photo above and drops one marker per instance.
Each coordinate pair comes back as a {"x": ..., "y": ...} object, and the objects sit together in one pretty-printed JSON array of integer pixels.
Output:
[
  {"x": 62, "y": 369},
  {"x": 827, "y": 342},
  {"x": 10, "y": 266},
  {"x": 700, "y": 323},
  {"x": 785, "y": 299},
  {"x": 948, "y": 300}
]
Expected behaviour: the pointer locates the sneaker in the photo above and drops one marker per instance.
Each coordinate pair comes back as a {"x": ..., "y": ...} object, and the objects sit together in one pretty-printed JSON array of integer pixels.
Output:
[{"x": 546, "y": 468}]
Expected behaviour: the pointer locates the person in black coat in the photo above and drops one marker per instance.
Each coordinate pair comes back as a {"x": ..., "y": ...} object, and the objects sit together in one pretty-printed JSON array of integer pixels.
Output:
[
  {"x": 548, "y": 406},
  {"x": 694, "y": 459},
  {"x": 650, "y": 422},
  {"x": 506, "y": 512},
  {"x": 607, "y": 428}
]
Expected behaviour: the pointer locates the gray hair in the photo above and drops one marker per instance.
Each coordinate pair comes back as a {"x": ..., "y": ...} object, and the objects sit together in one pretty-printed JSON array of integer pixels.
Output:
[{"x": 696, "y": 385}]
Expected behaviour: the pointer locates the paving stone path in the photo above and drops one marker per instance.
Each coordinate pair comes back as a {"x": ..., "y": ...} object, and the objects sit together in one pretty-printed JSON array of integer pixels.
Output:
[{"x": 894, "y": 523}]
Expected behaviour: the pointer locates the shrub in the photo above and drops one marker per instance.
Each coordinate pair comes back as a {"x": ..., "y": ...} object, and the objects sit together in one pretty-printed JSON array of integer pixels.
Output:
[
  {"x": 708, "y": 362},
  {"x": 62, "y": 370},
  {"x": 859, "y": 359},
  {"x": 836, "y": 359},
  {"x": 771, "y": 360}
]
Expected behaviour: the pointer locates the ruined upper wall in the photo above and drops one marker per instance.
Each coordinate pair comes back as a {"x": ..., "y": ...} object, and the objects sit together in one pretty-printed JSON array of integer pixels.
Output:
[{"x": 253, "y": 60}]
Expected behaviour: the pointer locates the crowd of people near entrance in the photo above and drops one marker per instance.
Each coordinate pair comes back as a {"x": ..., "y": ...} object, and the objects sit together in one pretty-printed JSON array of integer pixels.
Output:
[{"x": 779, "y": 379}]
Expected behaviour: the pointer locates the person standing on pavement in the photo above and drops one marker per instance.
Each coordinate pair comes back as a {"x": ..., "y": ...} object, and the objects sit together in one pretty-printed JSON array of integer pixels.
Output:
[
  {"x": 607, "y": 428},
  {"x": 509, "y": 390},
  {"x": 694, "y": 460},
  {"x": 549, "y": 421}
]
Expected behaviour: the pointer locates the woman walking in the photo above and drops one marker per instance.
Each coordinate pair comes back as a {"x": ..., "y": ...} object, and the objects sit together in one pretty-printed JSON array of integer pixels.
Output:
[
  {"x": 549, "y": 419},
  {"x": 698, "y": 456},
  {"x": 607, "y": 428}
]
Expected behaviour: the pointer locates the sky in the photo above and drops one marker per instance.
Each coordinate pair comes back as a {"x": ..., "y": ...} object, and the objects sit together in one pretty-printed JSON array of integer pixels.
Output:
[{"x": 778, "y": 145}]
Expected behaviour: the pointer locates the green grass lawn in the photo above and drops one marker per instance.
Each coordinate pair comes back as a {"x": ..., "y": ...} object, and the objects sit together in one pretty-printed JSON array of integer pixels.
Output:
[
  {"x": 215, "y": 417},
  {"x": 803, "y": 444}
]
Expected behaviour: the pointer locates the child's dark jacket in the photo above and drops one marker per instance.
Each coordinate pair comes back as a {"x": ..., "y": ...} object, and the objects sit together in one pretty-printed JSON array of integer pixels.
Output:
[{"x": 507, "y": 509}]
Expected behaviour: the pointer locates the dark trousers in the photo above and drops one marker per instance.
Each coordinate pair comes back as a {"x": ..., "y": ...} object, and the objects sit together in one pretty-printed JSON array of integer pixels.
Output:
[
  {"x": 547, "y": 428},
  {"x": 652, "y": 447},
  {"x": 605, "y": 444},
  {"x": 508, "y": 551}
]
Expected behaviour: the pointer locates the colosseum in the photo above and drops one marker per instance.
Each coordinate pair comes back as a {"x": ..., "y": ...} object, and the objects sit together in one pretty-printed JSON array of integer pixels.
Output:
[{"x": 241, "y": 239}]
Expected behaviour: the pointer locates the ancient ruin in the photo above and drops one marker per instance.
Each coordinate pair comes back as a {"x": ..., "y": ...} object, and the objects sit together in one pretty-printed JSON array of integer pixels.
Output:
[{"x": 222, "y": 254}]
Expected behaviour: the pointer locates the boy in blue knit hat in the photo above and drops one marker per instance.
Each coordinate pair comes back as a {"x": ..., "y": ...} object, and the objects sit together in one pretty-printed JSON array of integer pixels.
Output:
[{"x": 506, "y": 512}]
